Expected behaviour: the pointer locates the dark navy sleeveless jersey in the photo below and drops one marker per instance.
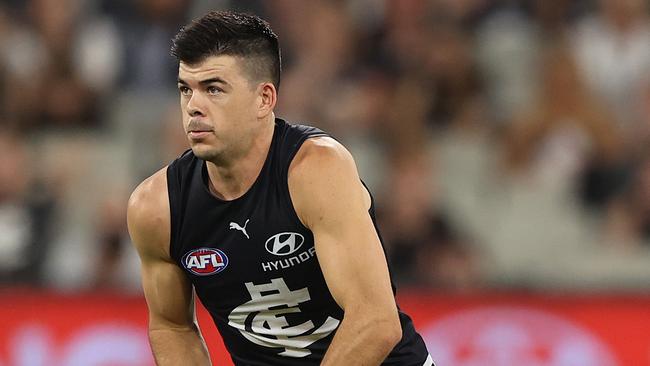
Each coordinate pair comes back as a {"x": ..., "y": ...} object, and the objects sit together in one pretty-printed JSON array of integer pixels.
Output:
[{"x": 254, "y": 266}]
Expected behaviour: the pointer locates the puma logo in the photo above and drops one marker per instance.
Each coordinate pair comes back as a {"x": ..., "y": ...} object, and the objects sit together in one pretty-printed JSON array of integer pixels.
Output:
[{"x": 234, "y": 225}]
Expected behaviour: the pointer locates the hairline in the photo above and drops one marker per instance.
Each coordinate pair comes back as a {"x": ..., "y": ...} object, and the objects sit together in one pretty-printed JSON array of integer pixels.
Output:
[{"x": 247, "y": 66}]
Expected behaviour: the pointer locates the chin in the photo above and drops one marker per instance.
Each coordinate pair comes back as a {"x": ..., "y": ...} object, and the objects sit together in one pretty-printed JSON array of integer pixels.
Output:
[{"x": 205, "y": 152}]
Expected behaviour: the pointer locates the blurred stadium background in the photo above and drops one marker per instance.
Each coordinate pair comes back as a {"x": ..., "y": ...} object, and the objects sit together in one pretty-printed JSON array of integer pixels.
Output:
[{"x": 506, "y": 143}]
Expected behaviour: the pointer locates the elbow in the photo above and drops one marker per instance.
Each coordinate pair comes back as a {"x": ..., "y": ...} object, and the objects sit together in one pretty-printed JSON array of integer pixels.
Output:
[
  {"x": 393, "y": 334},
  {"x": 378, "y": 327},
  {"x": 390, "y": 332}
]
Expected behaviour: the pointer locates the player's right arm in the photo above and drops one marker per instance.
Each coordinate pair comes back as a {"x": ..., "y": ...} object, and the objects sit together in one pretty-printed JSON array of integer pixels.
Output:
[{"x": 173, "y": 331}]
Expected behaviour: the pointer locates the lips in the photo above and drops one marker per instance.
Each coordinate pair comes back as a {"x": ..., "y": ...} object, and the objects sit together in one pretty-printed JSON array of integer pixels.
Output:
[
  {"x": 198, "y": 134},
  {"x": 198, "y": 131}
]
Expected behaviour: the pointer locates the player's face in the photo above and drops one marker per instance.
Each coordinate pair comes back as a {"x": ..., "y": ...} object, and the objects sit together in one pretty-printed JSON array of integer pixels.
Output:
[{"x": 218, "y": 102}]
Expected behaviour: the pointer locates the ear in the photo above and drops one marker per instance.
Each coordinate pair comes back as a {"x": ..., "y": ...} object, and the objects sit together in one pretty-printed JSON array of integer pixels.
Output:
[{"x": 268, "y": 97}]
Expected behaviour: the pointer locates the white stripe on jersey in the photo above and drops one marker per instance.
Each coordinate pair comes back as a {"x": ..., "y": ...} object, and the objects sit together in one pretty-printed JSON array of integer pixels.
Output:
[{"x": 429, "y": 362}]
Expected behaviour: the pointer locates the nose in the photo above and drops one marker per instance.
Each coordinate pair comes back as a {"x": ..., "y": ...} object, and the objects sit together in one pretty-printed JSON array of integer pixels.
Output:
[{"x": 195, "y": 106}]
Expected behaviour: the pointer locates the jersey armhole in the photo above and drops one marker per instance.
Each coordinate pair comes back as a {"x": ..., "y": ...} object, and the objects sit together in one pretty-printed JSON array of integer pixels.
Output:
[
  {"x": 371, "y": 209},
  {"x": 173, "y": 195},
  {"x": 285, "y": 176}
]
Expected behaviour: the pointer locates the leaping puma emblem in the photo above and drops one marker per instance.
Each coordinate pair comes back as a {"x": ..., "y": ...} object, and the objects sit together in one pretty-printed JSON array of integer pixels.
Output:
[{"x": 234, "y": 225}]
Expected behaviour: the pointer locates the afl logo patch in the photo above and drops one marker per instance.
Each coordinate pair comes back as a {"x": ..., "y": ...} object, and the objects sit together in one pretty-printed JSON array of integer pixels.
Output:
[
  {"x": 284, "y": 243},
  {"x": 205, "y": 261}
]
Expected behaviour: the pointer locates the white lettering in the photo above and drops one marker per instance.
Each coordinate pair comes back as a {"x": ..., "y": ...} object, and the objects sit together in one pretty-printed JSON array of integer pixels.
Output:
[
  {"x": 192, "y": 262},
  {"x": 290, "y": 262},
  {"x": 203, "y": 259}
]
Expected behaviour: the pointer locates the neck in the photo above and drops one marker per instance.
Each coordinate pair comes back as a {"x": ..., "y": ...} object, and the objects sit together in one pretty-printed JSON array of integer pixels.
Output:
[{"x": 231, "y": 181}]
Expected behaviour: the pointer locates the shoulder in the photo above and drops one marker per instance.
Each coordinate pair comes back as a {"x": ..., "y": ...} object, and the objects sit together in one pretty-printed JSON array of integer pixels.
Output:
[
  {"x": 323, "y": 181},
  {"x": 150, "y": 195},
  {"x": 317, "y": 155},
  {"x": 148, "y": 215}
]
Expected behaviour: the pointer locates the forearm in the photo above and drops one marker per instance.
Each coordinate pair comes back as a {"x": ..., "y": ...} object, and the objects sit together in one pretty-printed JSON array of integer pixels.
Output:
[
  {"x": 361, "y": 341},
  {"x": 178, "y": 347}
]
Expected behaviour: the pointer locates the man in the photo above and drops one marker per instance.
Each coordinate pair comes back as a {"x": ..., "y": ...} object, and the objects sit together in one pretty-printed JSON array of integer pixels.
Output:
[{"x": 268, "y": 222}]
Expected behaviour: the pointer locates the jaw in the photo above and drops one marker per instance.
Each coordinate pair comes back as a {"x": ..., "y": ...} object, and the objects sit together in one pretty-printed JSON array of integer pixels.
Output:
[{"x": 206, "y": 151}]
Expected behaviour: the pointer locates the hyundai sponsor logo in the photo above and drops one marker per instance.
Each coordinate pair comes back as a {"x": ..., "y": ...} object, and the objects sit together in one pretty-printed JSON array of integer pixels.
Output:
[
  {"x": 284, "y": 243},
  {"x": 287, "y": 262}
]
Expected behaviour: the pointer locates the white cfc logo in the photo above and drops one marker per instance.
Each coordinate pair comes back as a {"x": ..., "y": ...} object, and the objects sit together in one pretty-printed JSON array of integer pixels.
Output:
[{"x": 261, "y": 320}]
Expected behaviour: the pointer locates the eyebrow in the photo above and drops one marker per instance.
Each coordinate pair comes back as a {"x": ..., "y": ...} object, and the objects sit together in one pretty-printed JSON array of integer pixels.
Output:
[{"x": 215, "y": 79}]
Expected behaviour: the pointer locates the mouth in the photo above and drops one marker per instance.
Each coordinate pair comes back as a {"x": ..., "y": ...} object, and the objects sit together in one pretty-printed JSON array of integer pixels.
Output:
[
  {"x": 198, "y": 129},
  {"x": 198, "y": 134}
]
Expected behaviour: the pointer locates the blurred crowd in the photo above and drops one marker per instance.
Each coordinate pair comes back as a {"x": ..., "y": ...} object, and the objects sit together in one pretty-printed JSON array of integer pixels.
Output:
[{"x": 504, "y": 141}]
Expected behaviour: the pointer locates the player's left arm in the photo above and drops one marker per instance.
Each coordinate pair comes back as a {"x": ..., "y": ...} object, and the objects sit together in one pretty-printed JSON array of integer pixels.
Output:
[{"x": 331, "y": 201}]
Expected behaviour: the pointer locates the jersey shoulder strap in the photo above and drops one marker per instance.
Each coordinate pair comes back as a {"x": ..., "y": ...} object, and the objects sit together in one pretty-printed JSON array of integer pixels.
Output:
[
  {"x": 179, "y": 178},
  {"x": 291, "y": 137}
]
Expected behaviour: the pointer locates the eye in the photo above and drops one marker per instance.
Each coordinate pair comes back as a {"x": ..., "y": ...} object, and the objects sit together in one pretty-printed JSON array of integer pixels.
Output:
[
  {"x": 213, "y": 90},
  {"x": 185, "y": 91}
]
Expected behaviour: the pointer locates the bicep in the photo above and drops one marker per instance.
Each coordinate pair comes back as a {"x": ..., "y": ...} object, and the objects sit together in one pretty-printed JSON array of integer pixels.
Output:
[
  {"x": 332, "y": 202},
  {"x": 351, "y": 257},
  {"x": 167, "y": 290},
  {"x": 168, "y": 293}
]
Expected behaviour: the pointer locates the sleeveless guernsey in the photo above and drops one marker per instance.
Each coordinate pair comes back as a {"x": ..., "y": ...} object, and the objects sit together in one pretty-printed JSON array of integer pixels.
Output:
[{"x": 253, "y": 264}]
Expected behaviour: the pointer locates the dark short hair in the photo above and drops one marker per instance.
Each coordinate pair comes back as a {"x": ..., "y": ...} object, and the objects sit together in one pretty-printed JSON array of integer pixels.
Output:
[{"x": 233, "y": 34}]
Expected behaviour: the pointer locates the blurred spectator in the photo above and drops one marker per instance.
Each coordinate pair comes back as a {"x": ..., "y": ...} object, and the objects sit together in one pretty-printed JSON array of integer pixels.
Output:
[
  {"x": 25, "y": 214},
  {"x": 508, "y": 48},
  {"x": 357, "y": 114},
  {"x": 113, "y": 244},
  {"x": 319, "y": 58},
  {"x": 60, "y": 62},
  {"x": 539, "y": 216},
  {"x": 628, "y": 215},
  {"x": 4, "y": 74},
  {"x": 613, "y": 51},
  {"x": 464, "y": 157},
  {"x": 628, "y": 220},
  {"x": 146, "y": 30},
  {"x": 565, "y": 132},
  {"x": 452, "y": 72},
  {"x": 424, "y": 248},
  {"x": 404, "y": 39}
]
